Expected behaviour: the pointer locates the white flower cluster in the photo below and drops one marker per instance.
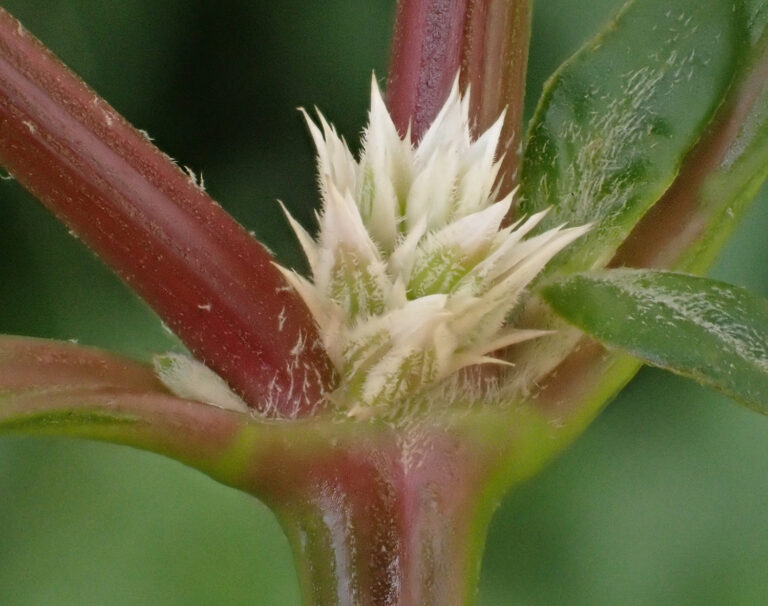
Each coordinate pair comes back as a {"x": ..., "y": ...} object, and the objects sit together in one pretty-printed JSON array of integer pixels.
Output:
[{"x": 413, "y": 274}]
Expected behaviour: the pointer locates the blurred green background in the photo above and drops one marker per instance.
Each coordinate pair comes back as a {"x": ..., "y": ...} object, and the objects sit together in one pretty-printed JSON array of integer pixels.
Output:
[{"x": 663, "y": 501}]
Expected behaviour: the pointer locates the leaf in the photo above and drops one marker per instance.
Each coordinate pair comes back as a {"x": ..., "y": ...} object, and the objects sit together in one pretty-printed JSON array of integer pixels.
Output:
[
  {"x": 711, "y": 331},
  {"x": 617, "y": 119},
  {"x": 719, "y": 178}
]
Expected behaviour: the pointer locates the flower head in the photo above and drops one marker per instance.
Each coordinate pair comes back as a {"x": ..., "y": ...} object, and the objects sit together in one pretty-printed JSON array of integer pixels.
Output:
[{"x": 413, "y": 273}]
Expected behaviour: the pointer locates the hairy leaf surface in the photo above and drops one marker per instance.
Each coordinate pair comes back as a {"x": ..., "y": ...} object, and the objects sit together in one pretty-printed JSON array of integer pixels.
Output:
[{"x": 711, "y": 331}]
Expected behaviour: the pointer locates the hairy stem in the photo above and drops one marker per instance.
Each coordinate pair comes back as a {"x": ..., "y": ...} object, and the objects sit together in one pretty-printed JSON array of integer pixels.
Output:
[
  {"x": 487, "y": 39},
  {"x": 426, "y": 55},
  {"x": 495, "y": 65},
  {"x": 206, "y": 277},
  {"x": 375, "y": 525}
]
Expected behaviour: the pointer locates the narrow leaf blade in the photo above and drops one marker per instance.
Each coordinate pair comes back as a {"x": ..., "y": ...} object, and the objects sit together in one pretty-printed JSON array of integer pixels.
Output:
[{"x": 711, "y": 331}]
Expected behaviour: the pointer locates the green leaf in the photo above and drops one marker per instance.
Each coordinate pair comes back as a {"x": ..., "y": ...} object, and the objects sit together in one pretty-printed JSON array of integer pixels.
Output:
[
  {"x": 711, "y": 331},
  {"x": 617, "y": 119},
  {"x": 719, "y": 178}
]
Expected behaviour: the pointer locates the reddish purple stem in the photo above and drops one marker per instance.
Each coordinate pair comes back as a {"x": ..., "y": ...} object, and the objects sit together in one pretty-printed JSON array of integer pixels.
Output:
[
  {"x": 426, "y": 56},
  {"x": 488, "y": 40},
  {"x": 206, "y": 277}
]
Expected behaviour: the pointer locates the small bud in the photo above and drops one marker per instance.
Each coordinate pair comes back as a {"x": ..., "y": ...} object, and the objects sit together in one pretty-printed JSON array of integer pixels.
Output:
[{"x": 189, "y": 379}]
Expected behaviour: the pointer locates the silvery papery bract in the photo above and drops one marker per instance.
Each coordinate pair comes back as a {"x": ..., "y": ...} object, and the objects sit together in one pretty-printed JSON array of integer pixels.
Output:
[{"x": 413, "y": 275}]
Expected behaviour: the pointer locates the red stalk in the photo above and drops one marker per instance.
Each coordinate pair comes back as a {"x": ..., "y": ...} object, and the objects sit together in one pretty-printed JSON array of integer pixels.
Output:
[
  {"x": 211, "y": 282},
  {"x": 369, "y": 526},
  {"x": 426, "y": 56},
  {"x": 487, "y": 39}
]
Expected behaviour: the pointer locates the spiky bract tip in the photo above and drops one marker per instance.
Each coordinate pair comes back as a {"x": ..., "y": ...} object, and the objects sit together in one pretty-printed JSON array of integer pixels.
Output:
[{"x": 413, "y": 272}]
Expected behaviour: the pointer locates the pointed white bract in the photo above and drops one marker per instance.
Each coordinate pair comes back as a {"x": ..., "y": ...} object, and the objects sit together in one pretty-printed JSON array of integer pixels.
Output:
[
  {"x": 187, "y": 378},
  {"x": 413, "y": 275}
]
